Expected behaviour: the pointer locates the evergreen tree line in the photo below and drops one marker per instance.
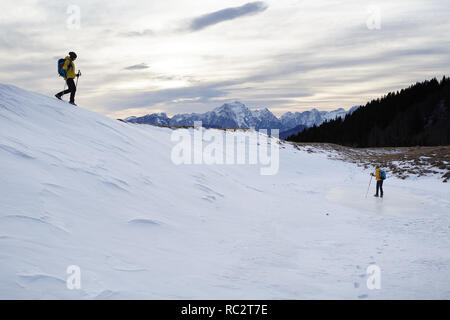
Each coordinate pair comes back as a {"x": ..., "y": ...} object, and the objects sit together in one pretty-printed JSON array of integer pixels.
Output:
[{"x": 418, "y": 115}]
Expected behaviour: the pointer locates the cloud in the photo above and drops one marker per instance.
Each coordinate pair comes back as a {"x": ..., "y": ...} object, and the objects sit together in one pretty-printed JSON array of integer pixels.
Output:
[
  {"x": 173, "y": 96},
  {"x": 137, "y": 67},
  {"x": 213, "y": 18},
  {"x": 143, "y": 33},
  {"x": 198, "y": 98}
]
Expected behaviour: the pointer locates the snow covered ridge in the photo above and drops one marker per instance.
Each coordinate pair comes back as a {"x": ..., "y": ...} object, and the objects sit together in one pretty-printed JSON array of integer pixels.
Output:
[
  {"x": 237, "y": 115},
  {"x": 95, "y": 208}
]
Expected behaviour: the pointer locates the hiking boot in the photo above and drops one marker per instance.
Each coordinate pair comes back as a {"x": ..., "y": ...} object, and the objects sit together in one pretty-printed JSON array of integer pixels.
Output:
[
  {"x": 73, "y": 103},
  {"x": 375, "y": 195},
  {"x": 58, "y": 96}
]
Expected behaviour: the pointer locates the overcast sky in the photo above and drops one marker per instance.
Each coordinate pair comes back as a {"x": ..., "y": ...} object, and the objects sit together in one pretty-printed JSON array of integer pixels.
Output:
[{"x": 177, "y": 56}]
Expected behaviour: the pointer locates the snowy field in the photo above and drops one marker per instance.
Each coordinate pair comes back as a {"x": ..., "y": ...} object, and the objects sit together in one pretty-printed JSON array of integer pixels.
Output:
[{"x": 78, "y": 188}]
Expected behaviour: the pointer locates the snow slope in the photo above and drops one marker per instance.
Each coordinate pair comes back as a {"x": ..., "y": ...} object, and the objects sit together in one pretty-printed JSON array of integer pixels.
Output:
[{"x": 82, "y": 189}]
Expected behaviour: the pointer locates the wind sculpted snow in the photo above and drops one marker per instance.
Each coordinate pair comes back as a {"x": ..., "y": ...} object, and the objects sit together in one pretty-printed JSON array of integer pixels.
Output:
[{"x": 80, "y": 189}]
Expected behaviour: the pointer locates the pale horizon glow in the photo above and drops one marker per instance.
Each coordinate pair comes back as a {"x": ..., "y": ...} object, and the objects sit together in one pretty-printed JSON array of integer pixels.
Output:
[{"x": 173, "y": 56}]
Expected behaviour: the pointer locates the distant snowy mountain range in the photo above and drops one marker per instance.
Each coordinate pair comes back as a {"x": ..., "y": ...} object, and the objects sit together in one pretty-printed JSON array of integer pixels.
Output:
[{"x": 237, "y": 115}]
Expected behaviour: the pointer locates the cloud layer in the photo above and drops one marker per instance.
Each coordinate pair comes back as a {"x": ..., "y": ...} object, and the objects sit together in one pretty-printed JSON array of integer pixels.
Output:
[
  {"x": 137, "y": 67},
  {"x": 213, "y": 18},
  {"x": 284, "y": 55}
]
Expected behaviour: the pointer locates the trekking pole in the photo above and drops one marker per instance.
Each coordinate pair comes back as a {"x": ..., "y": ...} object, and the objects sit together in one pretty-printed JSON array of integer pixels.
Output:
[
  {"x": 78, "y": 75},
  {"x": 369, "y": 186}
]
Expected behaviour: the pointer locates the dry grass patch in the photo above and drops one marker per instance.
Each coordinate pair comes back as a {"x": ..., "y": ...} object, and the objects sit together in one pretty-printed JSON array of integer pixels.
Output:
[{"x": 400, "y": 162}]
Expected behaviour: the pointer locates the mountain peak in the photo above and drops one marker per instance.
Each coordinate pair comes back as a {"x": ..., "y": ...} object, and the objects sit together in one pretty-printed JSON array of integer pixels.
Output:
[
  {"x": 236, "y": 105},
  {"x": 236, "y": 114}
]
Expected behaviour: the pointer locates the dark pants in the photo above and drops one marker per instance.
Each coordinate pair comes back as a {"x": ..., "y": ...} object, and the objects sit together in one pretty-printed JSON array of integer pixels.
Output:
[
  {"x": 380, "y": 187},
  {"x": 72, "y": 89}
]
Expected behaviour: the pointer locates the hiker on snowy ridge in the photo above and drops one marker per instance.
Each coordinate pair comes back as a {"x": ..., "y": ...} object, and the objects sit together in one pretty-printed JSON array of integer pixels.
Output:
[
  {"x": 380, "y": 175},
  {"x": 69, "y": 74}
]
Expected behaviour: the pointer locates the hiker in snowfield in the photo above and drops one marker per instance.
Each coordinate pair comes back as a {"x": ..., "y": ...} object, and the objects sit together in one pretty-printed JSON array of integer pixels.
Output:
[
  {"x": 69, "y": 68},
  {"x": 380, "y": 175}
]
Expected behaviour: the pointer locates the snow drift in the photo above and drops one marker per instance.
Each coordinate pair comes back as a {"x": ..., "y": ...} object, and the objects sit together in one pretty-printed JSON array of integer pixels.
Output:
[{"x": 80, "y": 189}]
